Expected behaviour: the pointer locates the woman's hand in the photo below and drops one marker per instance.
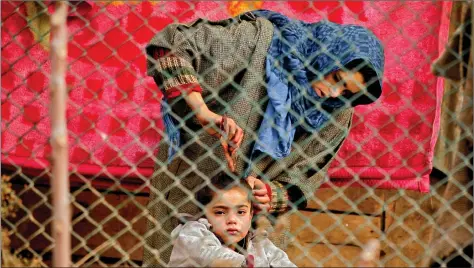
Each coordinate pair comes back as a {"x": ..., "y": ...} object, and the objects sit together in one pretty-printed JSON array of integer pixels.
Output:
[
  {"x": 231, "y": 135},
  {"x": 209, "y": 121},
  {"x": 260, "y": 194},
  {"x": 231, "y": 140}
]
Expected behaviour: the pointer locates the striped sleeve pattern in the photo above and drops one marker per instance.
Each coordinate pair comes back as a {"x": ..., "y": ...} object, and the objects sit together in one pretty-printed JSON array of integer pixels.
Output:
[
  {"x": 174, "y": 74},
  {"x": 279, "y": 199}
]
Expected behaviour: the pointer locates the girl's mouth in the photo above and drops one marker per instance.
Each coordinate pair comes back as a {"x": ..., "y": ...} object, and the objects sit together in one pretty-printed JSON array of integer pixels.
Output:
[{"x": 232, "y": 231}]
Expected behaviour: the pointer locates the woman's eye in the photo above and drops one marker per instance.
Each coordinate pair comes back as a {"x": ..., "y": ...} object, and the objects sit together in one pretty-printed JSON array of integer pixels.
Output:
[
  {"x": 337, "y": 78},
  {"x": 347, "y": 94},
  {"x": 219, "y": 213}
]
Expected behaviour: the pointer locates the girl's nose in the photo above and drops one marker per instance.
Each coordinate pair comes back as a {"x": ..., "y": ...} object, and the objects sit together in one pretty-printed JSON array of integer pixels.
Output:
[{"x": 232, "y": 219}]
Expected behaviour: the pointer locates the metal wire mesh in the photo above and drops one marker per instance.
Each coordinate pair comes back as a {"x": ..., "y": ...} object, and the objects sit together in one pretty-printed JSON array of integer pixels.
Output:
[{"x": 380, "y": 185}]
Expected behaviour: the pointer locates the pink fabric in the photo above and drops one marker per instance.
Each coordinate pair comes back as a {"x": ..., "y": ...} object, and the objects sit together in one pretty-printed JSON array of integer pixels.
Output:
[{"x": 114, "y": 107}]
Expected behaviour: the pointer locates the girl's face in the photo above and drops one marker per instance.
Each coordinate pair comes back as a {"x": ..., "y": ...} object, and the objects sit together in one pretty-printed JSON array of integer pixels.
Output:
[
  {"x": 339, "y": 83},
  {"x": 230, "y": 215}
]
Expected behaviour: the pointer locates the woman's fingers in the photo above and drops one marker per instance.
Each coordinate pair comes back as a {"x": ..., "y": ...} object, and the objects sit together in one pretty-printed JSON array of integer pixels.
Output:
[
  {"x": 232, "y": 130},
  {"x": 260, "y": 192},
  {"x": 228, "y": 157},
  {"x": 259, "y": 185},
  {"x": 238, "y": 138},
  {"x": 262, "y": 199},
  {"x": 238, "y": 135},
  {"x": 233, "y": 134},
  {"x": 226, "y": 127},
  {"x": 251, "y": 181}
]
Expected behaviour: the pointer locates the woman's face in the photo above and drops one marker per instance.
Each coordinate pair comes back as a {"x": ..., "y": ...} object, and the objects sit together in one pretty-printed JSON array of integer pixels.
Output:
[
  {"x": 339, "y": 83},
  {"x": 230, "y": 215}
]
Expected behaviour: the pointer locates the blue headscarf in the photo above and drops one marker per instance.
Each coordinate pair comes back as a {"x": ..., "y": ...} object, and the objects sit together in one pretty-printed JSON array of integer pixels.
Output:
[{"x": 299, "y": 53}]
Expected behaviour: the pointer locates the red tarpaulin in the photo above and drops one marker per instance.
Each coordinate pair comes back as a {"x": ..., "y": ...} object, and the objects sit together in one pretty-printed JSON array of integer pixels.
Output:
[{"x": 114, "y": 111}]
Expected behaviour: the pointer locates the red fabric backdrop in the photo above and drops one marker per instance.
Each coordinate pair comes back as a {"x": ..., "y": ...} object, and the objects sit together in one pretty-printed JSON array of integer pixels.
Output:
[{"x": 114, "y": 112}]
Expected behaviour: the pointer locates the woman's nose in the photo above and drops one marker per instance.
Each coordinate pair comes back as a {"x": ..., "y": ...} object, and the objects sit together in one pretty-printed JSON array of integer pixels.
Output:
[{"x": 335, "y": 91}]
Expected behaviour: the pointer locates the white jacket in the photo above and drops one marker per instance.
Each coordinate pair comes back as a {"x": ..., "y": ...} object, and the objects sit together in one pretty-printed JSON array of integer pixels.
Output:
[{"x": 194, "y": 245}]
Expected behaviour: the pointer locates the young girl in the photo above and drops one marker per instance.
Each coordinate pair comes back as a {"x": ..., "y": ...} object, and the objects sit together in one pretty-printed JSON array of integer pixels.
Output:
[{"x": 222, "y": 237}]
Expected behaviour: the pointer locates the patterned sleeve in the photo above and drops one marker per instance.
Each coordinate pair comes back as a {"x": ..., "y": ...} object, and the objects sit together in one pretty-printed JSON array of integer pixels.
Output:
[
  {"x": 280, "y": 198},
  {"x": 173, "y": 74},
  {"x": 281, "y": 194}
]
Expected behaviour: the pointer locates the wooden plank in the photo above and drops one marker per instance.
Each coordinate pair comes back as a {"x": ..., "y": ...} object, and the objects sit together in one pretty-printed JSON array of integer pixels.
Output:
[
  {"x": 320, "y": 255},
  {"x": 355, "y": 200},
  {"x": 337, "y": 229},
  {"x": 116, "y": 213},
  {"x": 32, "y": 231},
  {"x": 409, "y": 228},
  {"x": 89, "y": 212}
]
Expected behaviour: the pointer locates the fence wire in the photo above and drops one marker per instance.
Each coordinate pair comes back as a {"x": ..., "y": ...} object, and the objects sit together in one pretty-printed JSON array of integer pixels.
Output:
[{"x": 372, "y": 172}]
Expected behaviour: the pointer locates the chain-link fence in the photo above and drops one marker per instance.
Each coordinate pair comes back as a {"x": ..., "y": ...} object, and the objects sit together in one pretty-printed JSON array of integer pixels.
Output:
[{"x": 398, "y": 170}]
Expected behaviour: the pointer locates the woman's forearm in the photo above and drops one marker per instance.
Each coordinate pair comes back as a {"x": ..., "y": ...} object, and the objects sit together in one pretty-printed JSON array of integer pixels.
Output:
[{"x": 200, "y": 109}]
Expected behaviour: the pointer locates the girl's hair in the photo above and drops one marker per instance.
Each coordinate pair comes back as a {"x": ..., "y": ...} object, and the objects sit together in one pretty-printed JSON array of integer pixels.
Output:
[
  {"x": 371, "y": 79},
  {"x": 221, "y": 181}
]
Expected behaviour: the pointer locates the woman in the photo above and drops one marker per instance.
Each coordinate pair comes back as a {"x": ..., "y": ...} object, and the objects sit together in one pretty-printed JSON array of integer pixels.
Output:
[{"x": 269, "y": 95}]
